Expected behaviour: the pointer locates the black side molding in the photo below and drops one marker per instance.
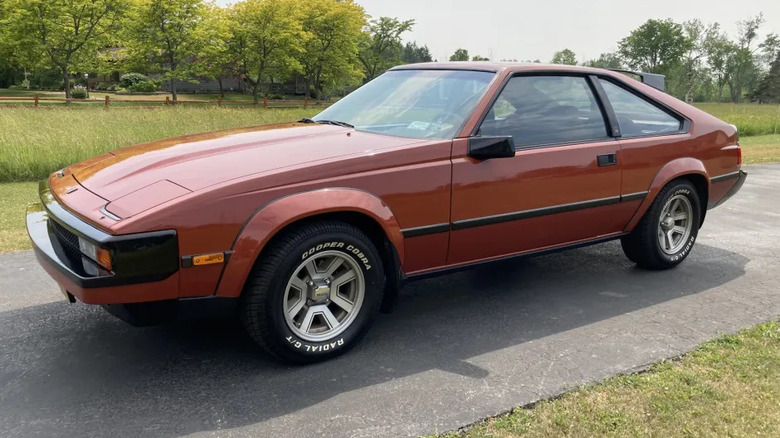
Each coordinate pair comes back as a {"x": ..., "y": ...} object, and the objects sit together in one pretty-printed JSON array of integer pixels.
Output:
[
  {"x": 519, "y": 215},
  {"x": 726, "y": 177},
  {"x": 426, "y": 230}
]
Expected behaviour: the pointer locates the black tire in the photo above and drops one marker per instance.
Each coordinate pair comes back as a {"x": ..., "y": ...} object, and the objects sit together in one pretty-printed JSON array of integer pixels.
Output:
[
  {"x": 262, "y": 307},
  {"x": 643, "y": 245}
]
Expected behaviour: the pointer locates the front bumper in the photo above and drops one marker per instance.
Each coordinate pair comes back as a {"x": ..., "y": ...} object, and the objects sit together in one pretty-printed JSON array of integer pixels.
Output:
[{"x": 144, "y": 266}]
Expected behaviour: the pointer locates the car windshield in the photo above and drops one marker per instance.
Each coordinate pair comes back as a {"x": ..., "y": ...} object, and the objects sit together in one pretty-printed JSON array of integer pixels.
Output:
[{"x": 412, "y": 103}]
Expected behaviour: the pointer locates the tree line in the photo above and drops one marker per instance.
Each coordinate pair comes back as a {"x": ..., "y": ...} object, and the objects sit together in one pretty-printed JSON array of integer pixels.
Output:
[
  {"x": 331, "y": 44},
  {"x": 700, "y": 61}
]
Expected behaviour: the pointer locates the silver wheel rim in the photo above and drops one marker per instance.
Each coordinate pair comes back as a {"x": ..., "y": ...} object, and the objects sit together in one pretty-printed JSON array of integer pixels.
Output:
[
  {"x": 324, "y": 296},
  {"x": 675, "y": 224}
]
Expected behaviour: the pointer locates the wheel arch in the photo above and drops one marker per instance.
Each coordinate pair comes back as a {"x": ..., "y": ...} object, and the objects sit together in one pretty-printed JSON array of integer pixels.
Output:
[
  {"x": 353, "y": 206},
  {"x": 687, "y": 168}
]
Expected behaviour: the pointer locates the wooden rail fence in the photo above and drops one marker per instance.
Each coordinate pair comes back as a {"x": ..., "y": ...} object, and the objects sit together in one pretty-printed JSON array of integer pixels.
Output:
[{"x": 266, "y": 103}]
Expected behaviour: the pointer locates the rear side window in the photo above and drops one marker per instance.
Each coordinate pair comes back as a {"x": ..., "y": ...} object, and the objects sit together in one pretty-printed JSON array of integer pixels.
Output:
[
  {"x": 546, "y": 110},
  {"x": 636, "y": 116}
]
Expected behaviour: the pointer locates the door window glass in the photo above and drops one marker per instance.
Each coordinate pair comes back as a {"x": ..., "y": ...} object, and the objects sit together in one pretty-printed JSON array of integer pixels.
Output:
[{"x": 542, "y": 110}]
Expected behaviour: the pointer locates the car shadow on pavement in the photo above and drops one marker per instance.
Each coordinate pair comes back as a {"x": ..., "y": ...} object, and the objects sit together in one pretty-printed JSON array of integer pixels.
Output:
[{"x": 73, "y": 370}]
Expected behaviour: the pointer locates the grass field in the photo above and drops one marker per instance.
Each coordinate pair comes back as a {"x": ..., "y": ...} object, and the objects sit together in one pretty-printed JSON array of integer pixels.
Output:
[
  {"x": 750, "y": 119},
  {"x": 33, "y": 143},
  {"x": 100, "y": 96},
  {"x": 13, "y": 199},
  {"x": 727, "y": 387}
]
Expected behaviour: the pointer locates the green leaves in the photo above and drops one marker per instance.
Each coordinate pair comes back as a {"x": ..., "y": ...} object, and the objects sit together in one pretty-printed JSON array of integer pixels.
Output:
[
  {"x": 380, "y": 45},
  {"x": 565, "y": 56},
  {"x": 168, "y": 34},
  {"x": 267, "y": 39},
  {"x": 332, "y": 32},
  {"x": 65, "y": 34},
  {"x": 655, "y": 46}
]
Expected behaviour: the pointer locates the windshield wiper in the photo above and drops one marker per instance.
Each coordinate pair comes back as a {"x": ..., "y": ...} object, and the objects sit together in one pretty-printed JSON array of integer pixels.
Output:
[{"x": 327, "y": 122}]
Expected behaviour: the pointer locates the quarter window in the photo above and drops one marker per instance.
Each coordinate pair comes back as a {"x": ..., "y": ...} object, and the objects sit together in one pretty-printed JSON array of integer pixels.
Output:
[
  {"x": 636, "y": 116},
  {"x": 546, "y": 110}
]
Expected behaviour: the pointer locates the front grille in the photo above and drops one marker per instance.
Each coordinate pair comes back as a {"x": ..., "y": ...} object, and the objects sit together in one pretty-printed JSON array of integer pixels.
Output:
[
  {"x": 65, "y": 236},
  {"x": 69, "y": 243}
]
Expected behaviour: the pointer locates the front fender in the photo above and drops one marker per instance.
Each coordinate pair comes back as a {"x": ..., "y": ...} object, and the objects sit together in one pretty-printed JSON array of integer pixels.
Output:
[
  {"x": 672, "y": 170},
  {"x": 267, "y": 221}
]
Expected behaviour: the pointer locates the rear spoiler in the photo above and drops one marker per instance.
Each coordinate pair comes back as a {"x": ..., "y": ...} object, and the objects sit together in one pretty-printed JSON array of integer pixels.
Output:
[{"x": 651, "y": 79}]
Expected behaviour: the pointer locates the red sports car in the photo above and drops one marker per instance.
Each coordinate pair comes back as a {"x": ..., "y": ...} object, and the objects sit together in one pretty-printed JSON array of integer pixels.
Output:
[{"x": 306, "y": 230}]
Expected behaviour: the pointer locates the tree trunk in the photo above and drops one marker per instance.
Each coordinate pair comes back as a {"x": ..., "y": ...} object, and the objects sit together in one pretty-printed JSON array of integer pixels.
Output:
[
  {"x": 173, "y": 90},
  {"x": 221, "y": 90},
  {"x": 256, "y": 91},
  {"x": 308, "y": 84},
  {"x": 66, "y": 81}
]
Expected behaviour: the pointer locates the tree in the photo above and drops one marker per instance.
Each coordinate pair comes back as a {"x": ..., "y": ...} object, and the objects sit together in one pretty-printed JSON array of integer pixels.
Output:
[
  {"x": 769, "y": 88},
  {"x": 267, "y": 40},
  {"x": 565, "y": 56},
  {"x": 64, "y": 34},
  {"x": 215, "y": 57},
  {"x": 380, "y": 45},
  {"x": 167, "y": 34},
  {"x": 479, "y": 58},
  {"x": 691, "y": 70},
  {"x": 654, "y": 47},
  {"x": 720, "y": 51},
  {"x": 770, "y": 48},
  {"x": 460, "y": 55},
  {"x": 606, "y": 60},
  {"x": 414, "y": 54},
  {"x": 743, "y": 71},
  {"x": 330, "y": 48}
]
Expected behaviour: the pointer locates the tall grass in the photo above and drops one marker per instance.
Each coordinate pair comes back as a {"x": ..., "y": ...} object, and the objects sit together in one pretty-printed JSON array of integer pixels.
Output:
[
  {"x": 34, "y": 143},
  {"x": 750, "y": 119}
]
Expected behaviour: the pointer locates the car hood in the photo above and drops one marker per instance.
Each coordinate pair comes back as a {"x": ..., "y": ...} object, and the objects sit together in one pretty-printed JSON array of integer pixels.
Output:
[{"x": 177, "y": 166}]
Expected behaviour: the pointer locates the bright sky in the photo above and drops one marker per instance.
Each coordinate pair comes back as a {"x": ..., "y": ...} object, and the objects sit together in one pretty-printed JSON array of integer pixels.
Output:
[{"x": 517, "y": 29}]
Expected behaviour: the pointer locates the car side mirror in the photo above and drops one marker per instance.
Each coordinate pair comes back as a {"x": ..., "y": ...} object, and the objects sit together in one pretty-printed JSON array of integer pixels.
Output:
[{"x": 485, "y": 148}]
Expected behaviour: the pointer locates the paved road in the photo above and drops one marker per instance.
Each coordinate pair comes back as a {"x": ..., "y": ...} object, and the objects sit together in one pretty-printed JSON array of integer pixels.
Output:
[{"x": 458, "y": 347}]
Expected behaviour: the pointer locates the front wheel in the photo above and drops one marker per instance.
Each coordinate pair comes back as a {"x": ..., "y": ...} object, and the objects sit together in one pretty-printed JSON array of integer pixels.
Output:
[
  {"x": 666, "y": 234},
  {"x": 314, "y": 293}
]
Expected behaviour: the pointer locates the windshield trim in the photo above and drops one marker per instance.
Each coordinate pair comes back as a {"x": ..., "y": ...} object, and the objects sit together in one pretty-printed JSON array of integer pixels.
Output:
[{"x": 443, "y": 67}]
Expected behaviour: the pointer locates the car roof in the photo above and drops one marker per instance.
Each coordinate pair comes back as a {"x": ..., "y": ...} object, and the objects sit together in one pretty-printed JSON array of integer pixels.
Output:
[{"x": 498, "y": 66}]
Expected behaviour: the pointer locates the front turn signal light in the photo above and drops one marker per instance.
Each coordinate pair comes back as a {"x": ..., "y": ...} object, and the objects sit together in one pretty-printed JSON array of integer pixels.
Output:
[
  {"x": 208, "y": 259},
  {"x": 104, "y": 258}
]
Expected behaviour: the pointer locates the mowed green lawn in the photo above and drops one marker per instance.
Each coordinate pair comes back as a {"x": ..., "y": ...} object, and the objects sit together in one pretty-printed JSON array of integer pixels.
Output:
[{"x": 729, "y": 387}]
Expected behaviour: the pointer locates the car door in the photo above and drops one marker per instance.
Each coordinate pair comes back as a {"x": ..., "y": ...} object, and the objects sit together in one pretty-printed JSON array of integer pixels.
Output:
[{"x": 563, "y": 184}]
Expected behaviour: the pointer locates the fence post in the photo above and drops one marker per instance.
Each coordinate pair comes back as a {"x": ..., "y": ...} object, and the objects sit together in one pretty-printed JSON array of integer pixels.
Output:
[
  {"x": 265, "y": 101},
  {"x": 167, "y": 100},
  {"x": 306, "y": 102},
  {"x": 36, "y": 100},
  {"x": 107, "y": 101}
]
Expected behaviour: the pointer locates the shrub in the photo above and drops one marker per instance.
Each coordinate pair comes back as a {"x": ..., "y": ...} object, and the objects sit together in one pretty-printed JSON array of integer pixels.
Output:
[
  {"x": 130, "y": 79},
  {"x": 143, "y": 87},
  {"x": 79, "y": 92}
]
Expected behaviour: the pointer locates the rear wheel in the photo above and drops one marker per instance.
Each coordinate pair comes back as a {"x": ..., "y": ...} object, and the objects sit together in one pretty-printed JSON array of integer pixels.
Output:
[
  {"x": 666, "y": 234},
  {"x": 314, "y": 293}
]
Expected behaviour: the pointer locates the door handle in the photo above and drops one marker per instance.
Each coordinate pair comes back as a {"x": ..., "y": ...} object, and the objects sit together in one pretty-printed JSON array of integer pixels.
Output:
[{"x": 607, "y": 159}]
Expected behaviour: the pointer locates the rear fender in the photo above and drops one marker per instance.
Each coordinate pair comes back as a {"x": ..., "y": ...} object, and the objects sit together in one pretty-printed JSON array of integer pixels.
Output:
[
  {"x": 672, "y": 170},
  {"x": 273, "y": 217}
]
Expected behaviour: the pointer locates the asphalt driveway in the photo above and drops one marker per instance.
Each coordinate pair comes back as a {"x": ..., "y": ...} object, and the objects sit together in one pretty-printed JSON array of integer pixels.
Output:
[{"x": 458, "y": 347}]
